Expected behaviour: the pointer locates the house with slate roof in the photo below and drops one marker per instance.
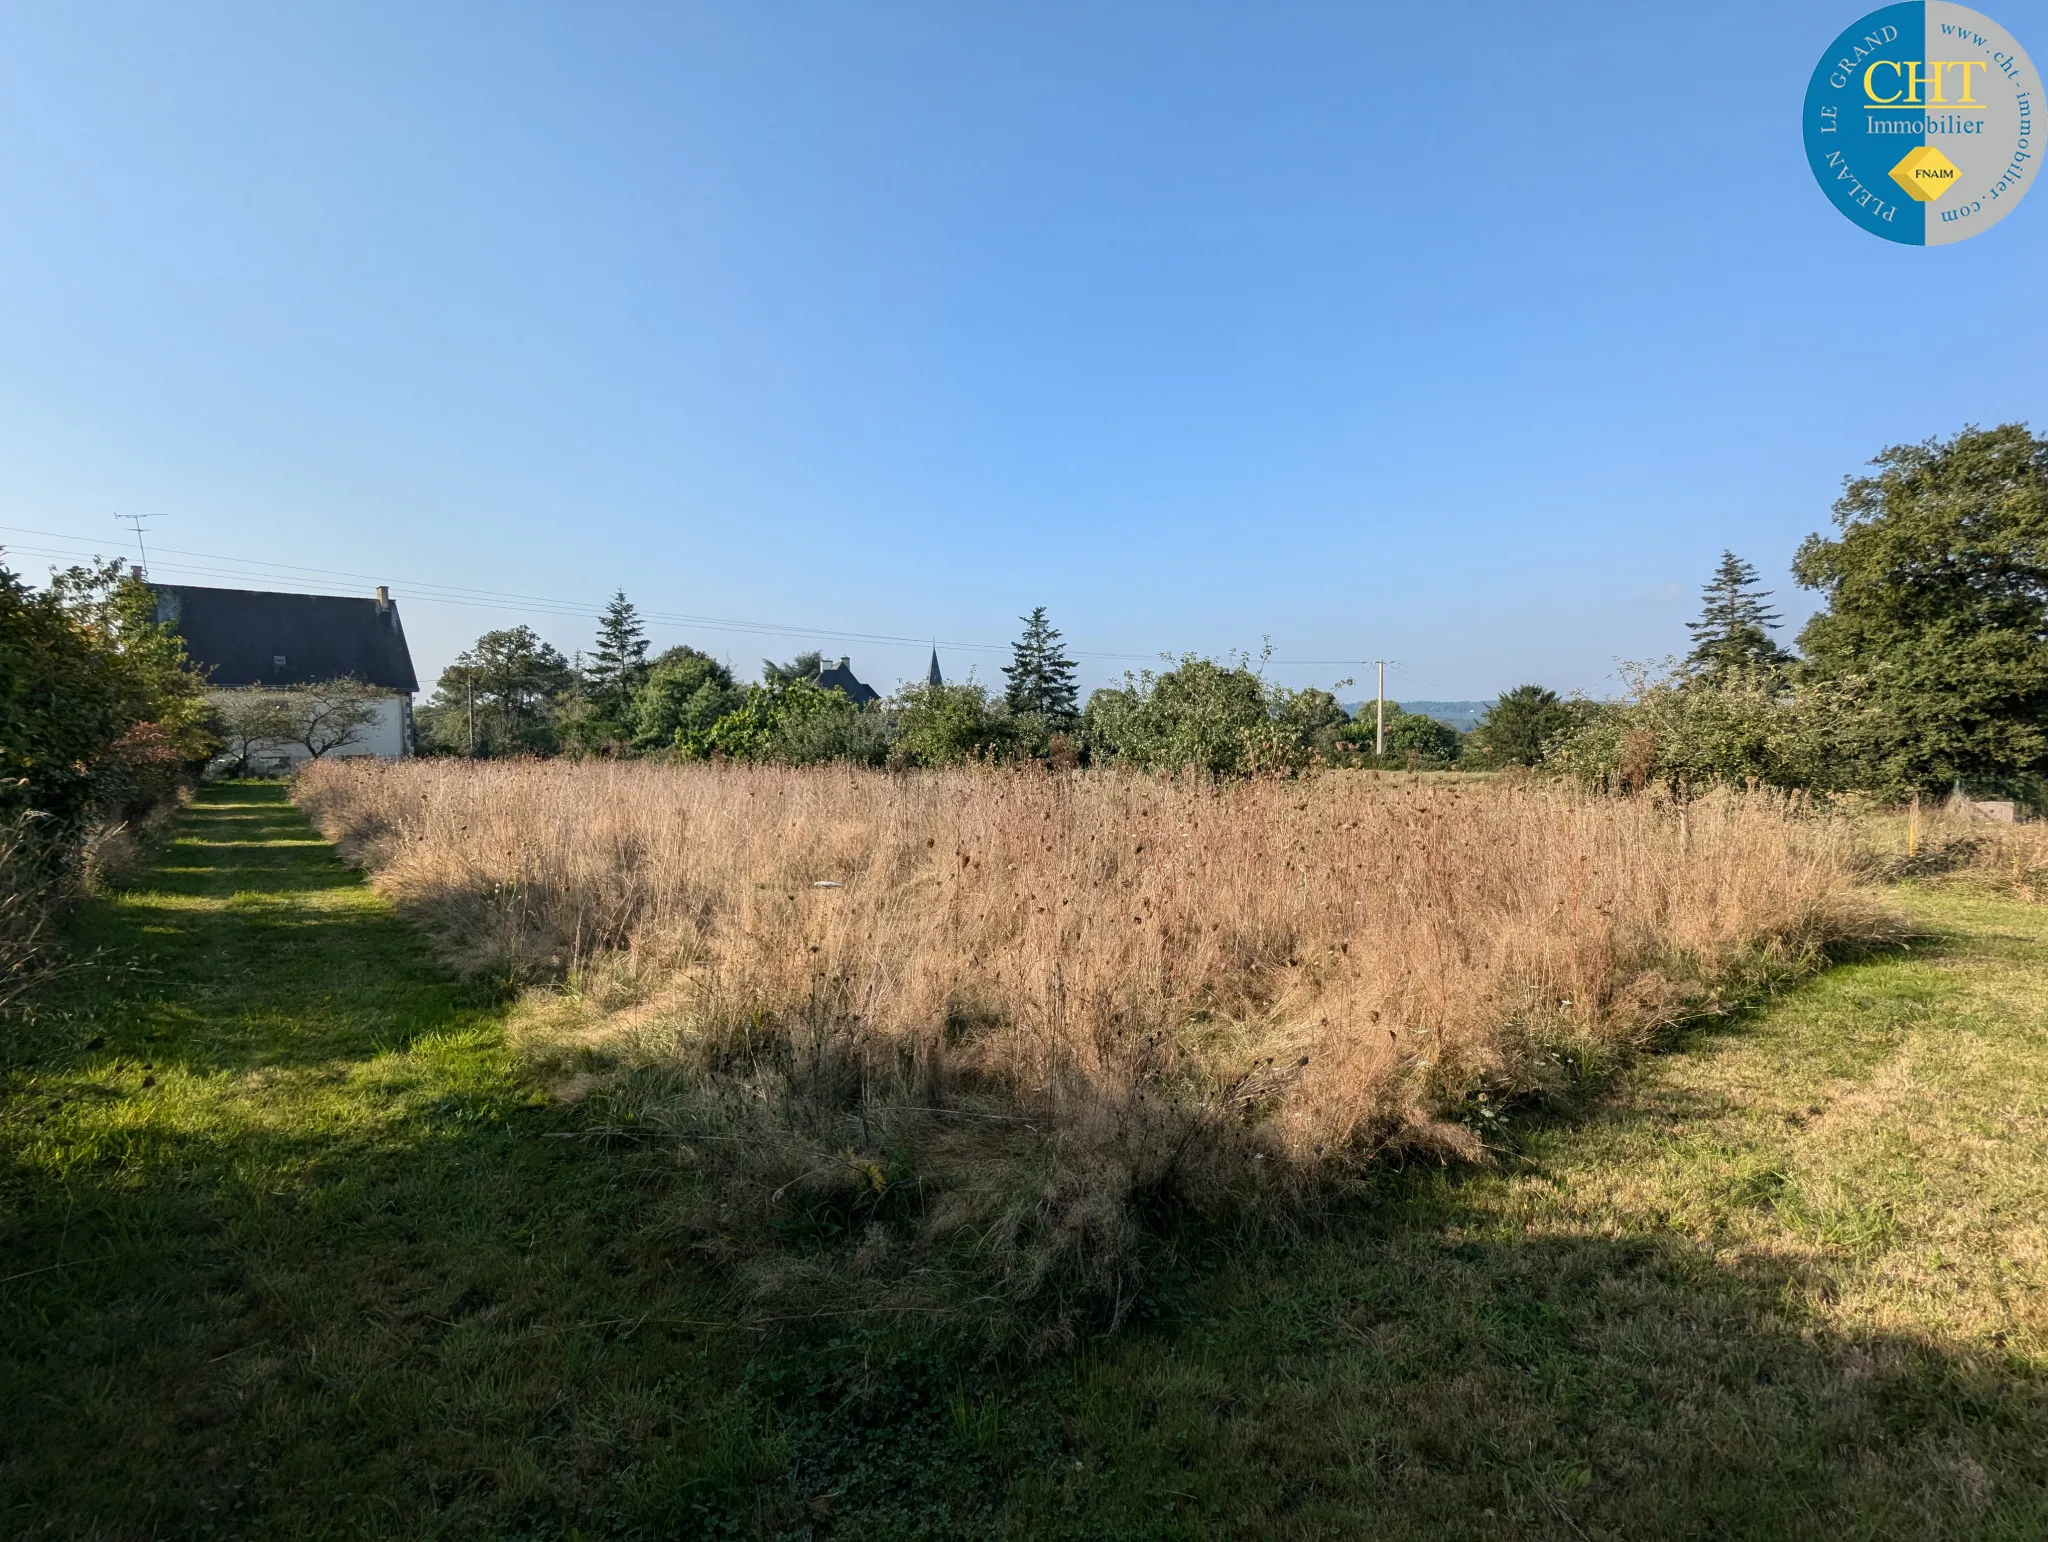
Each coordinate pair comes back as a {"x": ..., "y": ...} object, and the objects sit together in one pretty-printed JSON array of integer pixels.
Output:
[
  {"x": 249, "y": 639},
  {"x": 840, "y": 678}
]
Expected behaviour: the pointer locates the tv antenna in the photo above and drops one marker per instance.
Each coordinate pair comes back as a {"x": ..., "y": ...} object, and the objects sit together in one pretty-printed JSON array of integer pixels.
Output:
[{"x": 136, "y": 522}]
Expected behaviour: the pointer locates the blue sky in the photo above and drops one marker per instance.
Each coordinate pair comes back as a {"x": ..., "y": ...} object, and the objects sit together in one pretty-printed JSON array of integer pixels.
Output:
[{"x": 1462, "y": 335}]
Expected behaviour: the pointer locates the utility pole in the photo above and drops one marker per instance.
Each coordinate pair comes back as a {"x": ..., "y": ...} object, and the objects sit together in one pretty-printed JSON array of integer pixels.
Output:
[
  {"x": 135, "y": 522},
  {"x": 1379, "y": 714},
  {"x": 469, "y": 684}
]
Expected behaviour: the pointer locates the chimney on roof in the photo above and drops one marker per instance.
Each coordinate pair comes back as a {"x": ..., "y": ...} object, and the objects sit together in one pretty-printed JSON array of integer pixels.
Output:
[
  {"x": 842, "y": 660},
  {"x": 383, "y": 595}
]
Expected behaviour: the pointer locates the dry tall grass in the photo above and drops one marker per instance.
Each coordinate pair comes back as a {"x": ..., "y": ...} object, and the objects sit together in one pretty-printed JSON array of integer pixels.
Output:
[
  {"x": 1941, "y": 845},
  {"x": 1007, "y": 1011},
  {"x": 26, "y": 900}
]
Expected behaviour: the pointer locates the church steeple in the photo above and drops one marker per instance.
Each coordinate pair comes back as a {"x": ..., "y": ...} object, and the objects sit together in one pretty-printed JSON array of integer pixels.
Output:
[{"x": 935, "y": 678}]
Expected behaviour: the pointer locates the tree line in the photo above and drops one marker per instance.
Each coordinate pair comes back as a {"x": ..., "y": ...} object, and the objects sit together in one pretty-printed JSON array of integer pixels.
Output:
[
  {"x": 1927, "y": 666},
  {"x": 511, "y": 693}
]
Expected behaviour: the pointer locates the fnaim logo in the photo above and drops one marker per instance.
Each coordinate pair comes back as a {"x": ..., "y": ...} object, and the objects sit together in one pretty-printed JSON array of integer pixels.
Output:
[{"x": 1922, "y": 123}]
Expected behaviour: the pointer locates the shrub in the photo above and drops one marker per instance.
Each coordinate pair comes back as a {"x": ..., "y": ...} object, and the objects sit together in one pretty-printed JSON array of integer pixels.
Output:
[
  {"x": 683, "y": 697},
  {"x": 796, "y": 722},
  {"x": 1681, "y": 729},
  {"x": 99, "y": 721},
  {"x": 64, "y": 705},
  {"x": 1412, "y": 739},
  {"x": 1214, "y": 718},
  {"x": 95, "y": 697},
  {"x": 944, "y": 725}
]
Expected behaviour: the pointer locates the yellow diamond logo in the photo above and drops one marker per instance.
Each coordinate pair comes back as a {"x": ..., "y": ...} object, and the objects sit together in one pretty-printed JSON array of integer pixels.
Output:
[{"x": 1925, "y": 173}]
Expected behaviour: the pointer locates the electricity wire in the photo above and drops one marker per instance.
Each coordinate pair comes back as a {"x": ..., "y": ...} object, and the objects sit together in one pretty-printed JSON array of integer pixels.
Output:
[{"x": 217, "y": 565}]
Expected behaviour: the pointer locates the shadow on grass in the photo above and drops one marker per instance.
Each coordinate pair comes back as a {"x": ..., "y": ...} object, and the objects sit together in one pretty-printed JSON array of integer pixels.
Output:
[{"x": 1440, "y": 1378}]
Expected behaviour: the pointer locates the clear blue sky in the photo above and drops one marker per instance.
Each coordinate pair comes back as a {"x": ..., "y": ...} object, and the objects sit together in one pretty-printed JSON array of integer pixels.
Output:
[{"x": 1465, "y": 335}]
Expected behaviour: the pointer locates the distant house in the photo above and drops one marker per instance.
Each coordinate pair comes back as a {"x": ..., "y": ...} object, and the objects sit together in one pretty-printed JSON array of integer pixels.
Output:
[
  {"x": 933, "y": 677},
  {"x": 251, "y": 640},
  {"x": 840, "y": 678}
]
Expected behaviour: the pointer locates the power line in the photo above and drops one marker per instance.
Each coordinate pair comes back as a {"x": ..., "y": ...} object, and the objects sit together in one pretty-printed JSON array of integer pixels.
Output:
[
  {"x": 1416, "y": 675},
  {"x": 246, "y": 569},
  {"x": 456, "y": 594}
]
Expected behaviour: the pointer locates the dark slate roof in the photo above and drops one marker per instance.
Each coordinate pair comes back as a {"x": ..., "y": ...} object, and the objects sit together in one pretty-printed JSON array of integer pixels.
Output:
[
  {"x": 239, "y": 636},
  {"x": 935, "y": 678},
  {"x": 840, "y": 678}
]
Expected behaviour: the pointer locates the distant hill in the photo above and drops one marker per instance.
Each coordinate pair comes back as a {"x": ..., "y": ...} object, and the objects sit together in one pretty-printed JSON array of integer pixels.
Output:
[{"x": 1461, "y": 715}]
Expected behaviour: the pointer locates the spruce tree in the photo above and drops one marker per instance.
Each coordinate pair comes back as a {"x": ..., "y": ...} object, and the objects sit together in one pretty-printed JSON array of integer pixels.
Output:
[
  {"x": 619, "y": 661},
  {"x": 1735, "y": 626},
  {"x": 1040, "y": 673}
]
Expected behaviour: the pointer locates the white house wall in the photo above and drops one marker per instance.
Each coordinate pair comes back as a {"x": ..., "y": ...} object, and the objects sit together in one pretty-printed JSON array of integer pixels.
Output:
[{"x": 390, "y": 737}]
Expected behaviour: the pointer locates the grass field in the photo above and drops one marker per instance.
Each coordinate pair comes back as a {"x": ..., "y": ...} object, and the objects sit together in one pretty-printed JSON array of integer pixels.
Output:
[{"x": 291, "y": 1246}]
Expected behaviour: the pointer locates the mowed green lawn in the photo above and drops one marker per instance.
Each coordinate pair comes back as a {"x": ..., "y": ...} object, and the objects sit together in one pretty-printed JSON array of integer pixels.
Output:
[{"x": 289, "y": 1246}]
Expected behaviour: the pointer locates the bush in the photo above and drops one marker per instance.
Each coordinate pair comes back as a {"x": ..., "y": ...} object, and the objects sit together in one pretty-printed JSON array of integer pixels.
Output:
[
  {"x": 1413, "y": 740},
  {"x": 943, "y": 725},
  {"x": 1681, "y": 729},
  {"x": 64, "y": 705},
  {"x": 100, "y": 708},
  {"x": 793, "y": 721},
  {"x": 100, "y": 720},
  {"x": 1214, "y": 718},
  {"x": 683, "y": 697}
]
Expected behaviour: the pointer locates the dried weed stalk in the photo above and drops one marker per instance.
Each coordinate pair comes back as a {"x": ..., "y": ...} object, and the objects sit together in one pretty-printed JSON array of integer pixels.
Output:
[{"x": 997, "y": 1017}]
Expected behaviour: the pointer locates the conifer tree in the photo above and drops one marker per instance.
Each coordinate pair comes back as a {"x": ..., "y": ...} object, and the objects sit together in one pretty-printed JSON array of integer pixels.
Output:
[
  {"x": 1735, "y": 626},
  {"x": 619, "y": 661},
  {"x": 1520, "y": 728},
  {"x": 1040, "y": 673}
]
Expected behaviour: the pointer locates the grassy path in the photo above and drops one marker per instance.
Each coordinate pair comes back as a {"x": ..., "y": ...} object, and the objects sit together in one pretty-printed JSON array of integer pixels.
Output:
[
  {"x": 288, "y": 1247},
  {"x": 290, "y": 1251}
]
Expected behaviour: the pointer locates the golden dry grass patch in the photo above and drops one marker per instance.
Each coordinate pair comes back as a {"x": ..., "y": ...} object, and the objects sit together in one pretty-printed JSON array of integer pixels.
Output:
[{"x": 1040, "y": 999}]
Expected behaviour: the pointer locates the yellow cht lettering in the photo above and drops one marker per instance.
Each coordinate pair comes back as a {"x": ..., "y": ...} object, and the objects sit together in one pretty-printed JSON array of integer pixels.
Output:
[
  {"x": 1940, "y": 66},
  {"x": 1906, "y": 75}
]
